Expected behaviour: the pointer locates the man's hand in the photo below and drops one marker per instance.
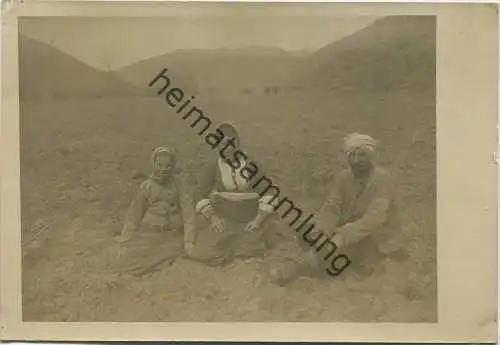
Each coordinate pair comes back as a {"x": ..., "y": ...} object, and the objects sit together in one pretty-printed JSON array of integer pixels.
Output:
[
  {"x": 338, "y": 239},
  {"x": 335, "y": 234},
  {"x": 218, "y": 225}
]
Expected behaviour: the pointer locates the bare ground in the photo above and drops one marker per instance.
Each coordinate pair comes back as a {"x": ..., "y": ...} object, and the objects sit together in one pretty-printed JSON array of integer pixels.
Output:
[{"x": 77, "y": 161}]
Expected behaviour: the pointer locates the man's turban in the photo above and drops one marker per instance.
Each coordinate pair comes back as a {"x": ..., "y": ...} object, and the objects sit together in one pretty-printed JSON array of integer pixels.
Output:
[{"x": 357, "y": 140}]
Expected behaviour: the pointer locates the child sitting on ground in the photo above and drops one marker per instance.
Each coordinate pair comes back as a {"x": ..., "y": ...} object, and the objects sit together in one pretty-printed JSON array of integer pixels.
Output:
[{"x": 160, "y": 220}]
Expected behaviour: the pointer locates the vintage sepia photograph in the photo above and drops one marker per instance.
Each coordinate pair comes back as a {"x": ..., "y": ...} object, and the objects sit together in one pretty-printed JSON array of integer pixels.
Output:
[
  {"x": 246, "y": 163},
  {"x": 212, "y": 170}
]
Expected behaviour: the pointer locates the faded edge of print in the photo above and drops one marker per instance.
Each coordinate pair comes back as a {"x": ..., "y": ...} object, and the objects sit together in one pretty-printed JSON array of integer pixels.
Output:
[{"x": 197, "y": 171}]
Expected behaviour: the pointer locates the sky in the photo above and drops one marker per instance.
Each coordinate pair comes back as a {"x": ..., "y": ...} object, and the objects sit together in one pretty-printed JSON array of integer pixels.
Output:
[{"x": 110, "y": 43}]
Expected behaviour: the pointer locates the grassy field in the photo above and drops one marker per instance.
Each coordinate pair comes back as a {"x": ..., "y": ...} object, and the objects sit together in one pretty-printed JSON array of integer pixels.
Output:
[{"x": 77, "y": 162}]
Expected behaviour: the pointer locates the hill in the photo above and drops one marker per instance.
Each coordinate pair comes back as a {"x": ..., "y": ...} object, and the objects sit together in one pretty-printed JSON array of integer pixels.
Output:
[
  {"x": 247, "y": 70},
  {"x": 393, "y": 52},
  {"x": 48, "y": 73}
]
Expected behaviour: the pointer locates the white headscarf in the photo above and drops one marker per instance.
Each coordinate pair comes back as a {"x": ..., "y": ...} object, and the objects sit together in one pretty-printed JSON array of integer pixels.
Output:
[
  {"x": 154, "y": 156},
  {"x": 162, "y": 149},
  {"x": 361, "y": 141}
]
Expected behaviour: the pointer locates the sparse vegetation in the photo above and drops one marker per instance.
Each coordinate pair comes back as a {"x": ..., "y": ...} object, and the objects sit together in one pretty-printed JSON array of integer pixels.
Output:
[{"x": 79, "y": 156}]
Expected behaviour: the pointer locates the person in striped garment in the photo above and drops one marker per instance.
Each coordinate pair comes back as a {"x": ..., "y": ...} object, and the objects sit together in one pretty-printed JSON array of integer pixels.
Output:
[{"x": 233, "y": 221}]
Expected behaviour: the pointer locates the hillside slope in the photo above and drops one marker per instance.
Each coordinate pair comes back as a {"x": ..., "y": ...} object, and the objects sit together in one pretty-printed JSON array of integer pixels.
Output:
[
  {"x": 246, "y": 70},
  {"x": 393, "y": 52},
  {"x": 47, "y": 73}
]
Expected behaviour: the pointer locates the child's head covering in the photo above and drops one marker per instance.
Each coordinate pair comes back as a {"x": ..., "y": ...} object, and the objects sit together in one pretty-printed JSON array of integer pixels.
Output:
[{"x": 162, "y": 150}]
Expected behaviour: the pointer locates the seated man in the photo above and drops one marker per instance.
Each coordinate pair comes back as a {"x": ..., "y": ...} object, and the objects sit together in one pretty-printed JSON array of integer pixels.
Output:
[
  {"x": 233, "y": 220},
  {"x": 159, "y": 221},
  {"x": 355, "y": 221}
]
